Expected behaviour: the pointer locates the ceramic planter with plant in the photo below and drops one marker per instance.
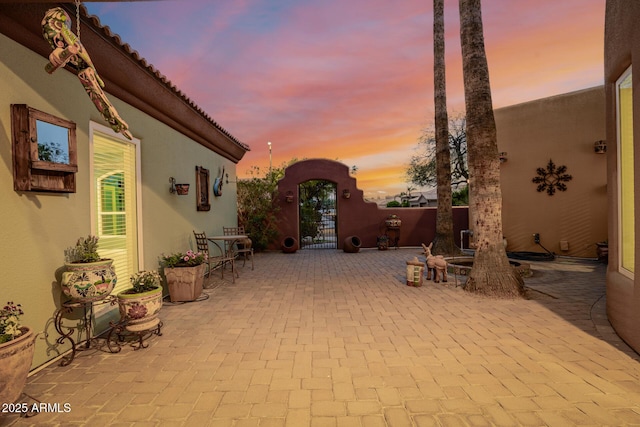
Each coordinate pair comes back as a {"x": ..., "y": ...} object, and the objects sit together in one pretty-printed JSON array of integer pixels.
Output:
[
  {"x": 139, "y": 306},
  {"x": 185, "y": 275},
  {"x": 383, "y": 242},
  {"x": 17, "y": 345},
  {"x": 88, "y": 277}
]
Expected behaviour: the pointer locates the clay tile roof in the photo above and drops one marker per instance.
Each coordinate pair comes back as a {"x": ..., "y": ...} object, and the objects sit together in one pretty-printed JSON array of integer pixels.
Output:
[{"x": 108, "y": 34}]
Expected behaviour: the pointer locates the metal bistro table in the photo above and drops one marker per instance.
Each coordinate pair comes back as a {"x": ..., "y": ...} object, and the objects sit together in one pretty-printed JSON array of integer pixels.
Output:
[{"x": 226, "y": 250}]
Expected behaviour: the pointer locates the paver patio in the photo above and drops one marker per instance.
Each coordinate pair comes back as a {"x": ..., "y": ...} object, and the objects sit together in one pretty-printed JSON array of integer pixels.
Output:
[{"x": 324, "y": 338}]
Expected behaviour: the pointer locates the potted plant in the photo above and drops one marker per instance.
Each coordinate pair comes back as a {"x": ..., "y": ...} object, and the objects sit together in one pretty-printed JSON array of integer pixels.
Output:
[
  {"x": 88, "y": 277},
  {"x": 383, "y": 242},
  {"x": 602, "y": 250},
  {"x": 17, "y": 344},
  {"x": 185, "y": 275},
  {"x": 139, "y": 306}
]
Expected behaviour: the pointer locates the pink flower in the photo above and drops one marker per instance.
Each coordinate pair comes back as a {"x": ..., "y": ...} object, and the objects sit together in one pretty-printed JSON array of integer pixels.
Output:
[
  {"x": 137, "y": 311},
  {"x": 186, "y": 258}
]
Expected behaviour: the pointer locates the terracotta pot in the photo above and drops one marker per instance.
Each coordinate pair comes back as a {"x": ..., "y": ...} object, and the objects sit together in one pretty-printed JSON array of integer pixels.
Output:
[
  {"x": 185, "y": 283},
  {"x": 140, "y": 310},
  {"x": 16, "y": 357},
  {"x": 289, "y": 245},
  {"x": 352, "y": 244},
  {"x": 383, "y": 243},
  {"x": 602, "y": 251},
  {"x": 182, "y": 189},
  {"x": 88, "y": 281},
  {"x": 393, "y": 223}
]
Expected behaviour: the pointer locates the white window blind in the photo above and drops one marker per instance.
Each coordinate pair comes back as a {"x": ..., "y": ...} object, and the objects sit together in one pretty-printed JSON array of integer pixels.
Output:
[{"x": 114, "y": 180}]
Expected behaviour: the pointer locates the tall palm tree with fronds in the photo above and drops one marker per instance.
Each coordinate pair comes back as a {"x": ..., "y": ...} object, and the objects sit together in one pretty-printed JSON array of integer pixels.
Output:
[
  {"x": 443, "y": 242},
  {"x": 491, "y": 273}
]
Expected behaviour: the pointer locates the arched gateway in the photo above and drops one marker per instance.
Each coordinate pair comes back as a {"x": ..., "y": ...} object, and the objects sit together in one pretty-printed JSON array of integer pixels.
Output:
[{"x": 351, "y": 215}]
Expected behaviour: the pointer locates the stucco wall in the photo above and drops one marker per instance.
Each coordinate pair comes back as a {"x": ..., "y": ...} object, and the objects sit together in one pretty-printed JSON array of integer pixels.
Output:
[
  {"x": 622, "y": 44},
  {"x": 355, "y": 216},
  {"x": 562, "y": 128},
  {"x": 37, "y": 227}
]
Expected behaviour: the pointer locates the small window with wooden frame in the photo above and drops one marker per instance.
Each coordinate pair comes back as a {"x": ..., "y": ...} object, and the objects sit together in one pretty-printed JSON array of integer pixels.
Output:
[{"x": 44, "y": 151}]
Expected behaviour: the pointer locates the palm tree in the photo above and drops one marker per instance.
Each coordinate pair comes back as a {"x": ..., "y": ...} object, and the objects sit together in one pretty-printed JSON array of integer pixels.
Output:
[
  {"x": 443, "y": 242},
  {"x": 409, "y": 190},
  {"x": 491, "y": 273}
]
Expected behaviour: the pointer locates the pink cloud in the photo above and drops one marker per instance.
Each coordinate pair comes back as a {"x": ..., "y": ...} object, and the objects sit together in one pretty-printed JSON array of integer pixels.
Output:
[{"x": 349, "y": 79}]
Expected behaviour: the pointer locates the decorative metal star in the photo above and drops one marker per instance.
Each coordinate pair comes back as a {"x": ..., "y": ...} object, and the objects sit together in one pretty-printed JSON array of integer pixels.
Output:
[{"x": 552, "y": 179}]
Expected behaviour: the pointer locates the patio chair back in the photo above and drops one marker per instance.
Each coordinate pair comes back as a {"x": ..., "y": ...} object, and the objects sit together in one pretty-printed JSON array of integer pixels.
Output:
[
  {"x": 244, "y": 246},
  {"x": 202, "y": 243}
]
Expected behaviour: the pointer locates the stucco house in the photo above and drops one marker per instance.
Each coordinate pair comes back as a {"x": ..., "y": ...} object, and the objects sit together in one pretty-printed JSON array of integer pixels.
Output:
[
  {"x": 422, "y": 199},
  {"x": 116, "y": 188},
  {"x": 553, "y": 173},
  {"x": 622, "y": 54}
]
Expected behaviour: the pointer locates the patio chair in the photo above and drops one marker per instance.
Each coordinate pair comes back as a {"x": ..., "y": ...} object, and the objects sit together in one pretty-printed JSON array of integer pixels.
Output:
[
  {"x": 242, "y": 246},
  {"x": 214, "y": 261}
]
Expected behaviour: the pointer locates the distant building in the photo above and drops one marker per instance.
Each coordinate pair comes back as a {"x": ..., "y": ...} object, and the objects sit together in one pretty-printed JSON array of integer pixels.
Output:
[
  {"x": 422, "y": 199},
  {"x": 417, "y": 200}
]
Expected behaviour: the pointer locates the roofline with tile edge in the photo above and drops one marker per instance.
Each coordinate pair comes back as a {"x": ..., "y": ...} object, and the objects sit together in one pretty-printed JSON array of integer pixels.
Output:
[{"x": 127, "y": 76}]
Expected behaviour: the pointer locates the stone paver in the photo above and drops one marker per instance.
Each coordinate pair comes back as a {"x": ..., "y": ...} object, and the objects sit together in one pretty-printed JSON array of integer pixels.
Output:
[{"x": 325, "y": 338}]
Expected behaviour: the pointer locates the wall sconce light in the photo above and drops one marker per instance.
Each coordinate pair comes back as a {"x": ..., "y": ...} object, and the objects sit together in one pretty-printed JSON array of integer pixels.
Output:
[
  {"x": 503, "y": 156},
  {"x": 289, "y": 196},
  {"x": 600, "y": 147},
  {"x": 179, "y": 189},
  {"x": 346, "y": 193}
]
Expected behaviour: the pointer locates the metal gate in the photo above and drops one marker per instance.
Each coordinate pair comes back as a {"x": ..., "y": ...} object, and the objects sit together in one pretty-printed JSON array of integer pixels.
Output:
[{"x": 318, "y": 220}]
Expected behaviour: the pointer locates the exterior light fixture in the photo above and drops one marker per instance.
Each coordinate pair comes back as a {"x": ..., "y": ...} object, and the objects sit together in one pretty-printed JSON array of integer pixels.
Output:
[
  {"x": 503, "y": 156},
  {"x": 600, "y": 147},
  {"x": 179, "y": 189},
  {"x": 346, "y": 193},
  {"x": 289, "y": 196}
]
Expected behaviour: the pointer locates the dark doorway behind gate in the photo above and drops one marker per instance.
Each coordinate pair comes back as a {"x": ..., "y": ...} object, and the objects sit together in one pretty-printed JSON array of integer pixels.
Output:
[{"x": 318, "y": 220}]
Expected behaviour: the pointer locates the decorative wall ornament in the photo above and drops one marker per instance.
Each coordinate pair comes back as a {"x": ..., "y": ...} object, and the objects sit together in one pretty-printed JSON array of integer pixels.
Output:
[
  {"x": 552, "y": 178},
  {"x": 202, "y": 189},
  {"x": 179, "y": 189},
  {"x": 67, "y": 50},
  {"x": 217, "y": 184},
  {"x": 289, "y": 196}
]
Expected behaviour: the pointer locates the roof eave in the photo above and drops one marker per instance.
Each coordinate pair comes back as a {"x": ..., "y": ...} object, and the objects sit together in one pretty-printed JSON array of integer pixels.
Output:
[{"x": 127, "y": 76}]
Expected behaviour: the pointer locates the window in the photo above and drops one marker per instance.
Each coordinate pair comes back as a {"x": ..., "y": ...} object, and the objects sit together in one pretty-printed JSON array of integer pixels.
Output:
[
  {"x": 112, "y": 216},
  {"x": 116, "y": 201},
  {"x": 44, "y": 151},
  {"x": 626, "y": 211}
]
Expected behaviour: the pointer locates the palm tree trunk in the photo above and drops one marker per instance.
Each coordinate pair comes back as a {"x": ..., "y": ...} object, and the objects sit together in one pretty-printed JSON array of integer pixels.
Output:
[
  {"x": 443, "y": 242},
  {"x": 491, "y": 273}
]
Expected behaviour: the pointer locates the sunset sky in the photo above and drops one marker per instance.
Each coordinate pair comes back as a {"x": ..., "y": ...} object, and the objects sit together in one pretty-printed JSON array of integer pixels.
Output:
[{"x": 351, "y": 80}]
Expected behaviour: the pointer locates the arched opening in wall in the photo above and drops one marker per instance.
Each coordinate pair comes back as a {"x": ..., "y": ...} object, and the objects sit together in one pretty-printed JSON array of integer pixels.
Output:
[{"x": 318, "y": 215}]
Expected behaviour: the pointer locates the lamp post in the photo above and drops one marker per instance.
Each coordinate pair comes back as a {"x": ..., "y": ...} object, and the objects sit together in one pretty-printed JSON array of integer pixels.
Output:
[{"x": 269, "y": 144}]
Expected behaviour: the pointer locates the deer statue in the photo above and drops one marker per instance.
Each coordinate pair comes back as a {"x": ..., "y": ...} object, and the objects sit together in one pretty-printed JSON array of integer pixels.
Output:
[{"x": 436, "y": 263}]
